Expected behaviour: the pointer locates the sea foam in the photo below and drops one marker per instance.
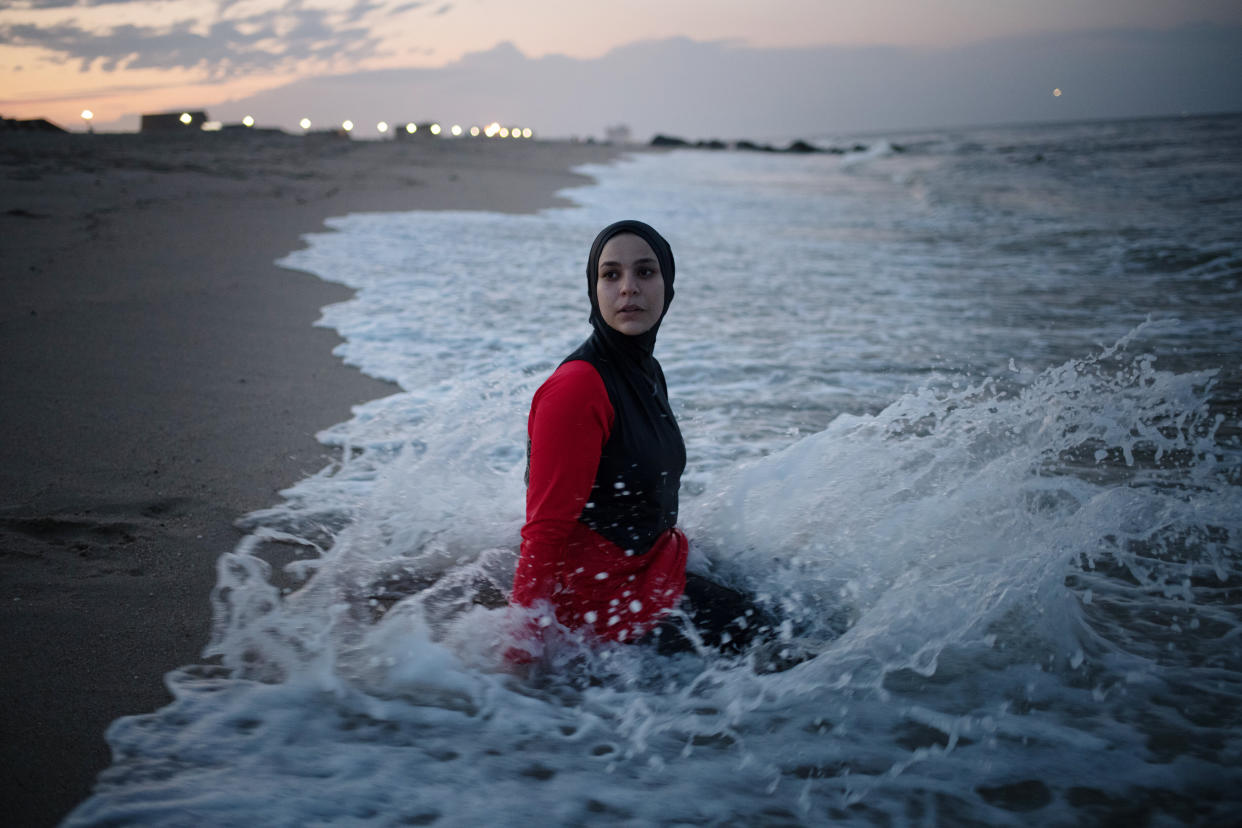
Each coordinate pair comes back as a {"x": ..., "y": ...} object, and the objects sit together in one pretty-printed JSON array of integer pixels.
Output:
[{"x": 997, "y": 509}]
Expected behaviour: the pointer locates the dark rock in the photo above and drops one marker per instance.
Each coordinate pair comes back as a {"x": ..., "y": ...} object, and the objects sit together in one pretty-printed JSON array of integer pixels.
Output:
[
  {"x": 802, "y": 147},
  {"x": 751, "y": 146}
]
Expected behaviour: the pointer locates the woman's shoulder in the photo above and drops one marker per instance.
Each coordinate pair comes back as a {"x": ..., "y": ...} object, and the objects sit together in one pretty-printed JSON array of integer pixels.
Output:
[
  {"x": 574, "y": 389},
  {"x": 573, "y": 378}
]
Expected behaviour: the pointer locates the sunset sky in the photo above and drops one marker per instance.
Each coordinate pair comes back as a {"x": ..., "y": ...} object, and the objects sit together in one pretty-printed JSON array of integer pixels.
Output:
[{"x": 122, "y": 57}]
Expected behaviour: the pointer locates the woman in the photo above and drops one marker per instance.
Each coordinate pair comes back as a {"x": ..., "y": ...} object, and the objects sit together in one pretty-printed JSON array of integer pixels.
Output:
[{"x": 600, "y": 547}]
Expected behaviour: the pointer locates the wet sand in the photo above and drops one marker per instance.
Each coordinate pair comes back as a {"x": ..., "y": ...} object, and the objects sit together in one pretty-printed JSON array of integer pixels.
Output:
[{"x": 161, "y": 377}]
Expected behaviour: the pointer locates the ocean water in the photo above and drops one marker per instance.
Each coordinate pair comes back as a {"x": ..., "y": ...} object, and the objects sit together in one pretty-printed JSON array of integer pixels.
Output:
[{"x": 963, "y": 407}]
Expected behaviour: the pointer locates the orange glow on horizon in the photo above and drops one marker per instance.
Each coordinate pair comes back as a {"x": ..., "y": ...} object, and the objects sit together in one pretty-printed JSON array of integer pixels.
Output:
[
  {"x": 38, "y": 82},
  {"x": 61, "y": 95}
]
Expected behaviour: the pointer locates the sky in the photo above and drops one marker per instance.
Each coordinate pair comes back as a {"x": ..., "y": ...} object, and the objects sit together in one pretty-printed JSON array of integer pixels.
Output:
[{"x": 753, "y": 67}]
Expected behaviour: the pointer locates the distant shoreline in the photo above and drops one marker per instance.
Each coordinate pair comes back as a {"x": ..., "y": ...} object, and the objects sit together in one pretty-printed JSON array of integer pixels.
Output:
[{"x": 163, "y": 377}]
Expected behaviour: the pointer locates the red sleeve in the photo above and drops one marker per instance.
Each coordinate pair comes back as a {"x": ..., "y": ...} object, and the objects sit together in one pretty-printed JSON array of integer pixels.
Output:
[{"x": 570, "y": 420}]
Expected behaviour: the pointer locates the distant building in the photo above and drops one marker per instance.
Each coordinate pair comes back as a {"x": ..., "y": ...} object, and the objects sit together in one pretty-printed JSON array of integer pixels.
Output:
[
  {"x": 242, "y": 129},
  {"x": 171, "y": 121},
  {"x": 30, "y": 125},
  {"x": 424, "y": 130},
  {"x": 336, "y": 133},
  {"x": 618, "y": 134}
]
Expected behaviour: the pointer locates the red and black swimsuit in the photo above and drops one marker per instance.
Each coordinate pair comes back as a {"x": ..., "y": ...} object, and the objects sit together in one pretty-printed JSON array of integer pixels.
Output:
[
  {"x": 600, "y": 542},
  {"x": 606, "y": 458}
]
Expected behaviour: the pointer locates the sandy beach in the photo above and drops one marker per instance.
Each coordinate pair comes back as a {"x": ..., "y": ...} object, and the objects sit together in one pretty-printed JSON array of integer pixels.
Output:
[{"x": 161, "y": 377}]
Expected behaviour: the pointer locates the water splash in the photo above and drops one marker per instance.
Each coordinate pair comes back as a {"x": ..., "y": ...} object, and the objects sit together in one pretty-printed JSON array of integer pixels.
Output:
[{"x": 1021, "y": 593}]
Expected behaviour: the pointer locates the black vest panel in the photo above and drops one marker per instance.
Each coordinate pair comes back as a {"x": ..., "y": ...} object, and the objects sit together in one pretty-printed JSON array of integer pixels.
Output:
[{"x": 634, "y": 498}]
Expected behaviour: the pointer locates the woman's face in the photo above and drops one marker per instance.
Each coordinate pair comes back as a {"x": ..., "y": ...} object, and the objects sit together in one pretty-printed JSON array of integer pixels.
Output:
[{"x": 629, "y": 286}]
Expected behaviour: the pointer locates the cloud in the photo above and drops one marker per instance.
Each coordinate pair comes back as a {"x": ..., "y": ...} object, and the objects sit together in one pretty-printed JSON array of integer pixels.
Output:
[
  {"x": 722, "y": 89},
  {"x": 95, "y": 91},
  {"x": 24, "y": 5},
  {"x": 266, "y": 41},
  {"x": 360, "y": 9}
]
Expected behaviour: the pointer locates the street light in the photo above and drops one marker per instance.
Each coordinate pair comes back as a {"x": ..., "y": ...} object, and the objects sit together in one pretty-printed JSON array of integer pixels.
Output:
[
  {"x": 248, "y": 121},
  {"x": 87, "y": 115}
]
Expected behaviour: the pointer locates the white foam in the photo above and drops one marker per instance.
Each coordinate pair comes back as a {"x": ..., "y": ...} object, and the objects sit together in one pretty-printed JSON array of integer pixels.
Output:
[{"x": 1016, "y": 582}]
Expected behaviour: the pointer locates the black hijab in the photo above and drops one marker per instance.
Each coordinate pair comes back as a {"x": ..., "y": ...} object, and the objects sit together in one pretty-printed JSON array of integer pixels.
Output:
[{"x": 634, "y": 346}]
